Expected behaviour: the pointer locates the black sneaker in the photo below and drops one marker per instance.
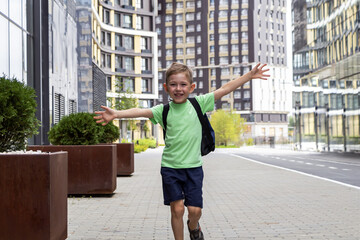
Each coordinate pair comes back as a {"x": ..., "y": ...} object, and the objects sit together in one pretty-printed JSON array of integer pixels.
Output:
[{"x": 195, "y": 234}]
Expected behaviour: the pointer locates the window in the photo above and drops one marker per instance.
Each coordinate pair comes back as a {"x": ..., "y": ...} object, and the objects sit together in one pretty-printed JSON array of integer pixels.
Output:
[
  {"x": 129, "y": 63},
  {"x": 144, "y": 43},
  {"x": 234, "y": 35},
  {"x": 179, "y": 40},
  {"x": 145, "y": 64},
  {"x": 117, "y": 22},
  {"x": 106, "y": 16},
  {"x": 118, "y": 41},
  {"x": 190, "y": 16},
  {"x": 179, "y": 29},
  {"x": 190, "y": 51},
  {"x": 225, "y": 71},
  {"x": 190, "y": 62},
  {"x": 168, "y": 29},
  {"x": 127, "y": 21},
  {"x": 224, "y": 60},
  {"x": 129, "y": 42},
  {"x": 246, "y": 94},
  {"x": 139, "y": 3},
  {"x": 118, "y": 62},
  {"x": 108, "y": 60},
  {"x": 190, "y": 39},
  {"x": 108, "y": 83},
  {"x": 139, "y": 22},
  {"x": 190, "y": 28},
  {"x": 223, "y": 13},
  {"x": 127, "y": 84},
  {"x": 178, "y": 17},
  {"x": 223, "y": 36},
  {"x": 234, "y": 24},
  {"x": 190, "y": 4},
  {"x": 146, "y": 85},
  {"x": 235, "y": 59},
  {"x": 223, "y": 48},
  {"x": 237, "y": 94},
  {"x": 168, "y": 18}
]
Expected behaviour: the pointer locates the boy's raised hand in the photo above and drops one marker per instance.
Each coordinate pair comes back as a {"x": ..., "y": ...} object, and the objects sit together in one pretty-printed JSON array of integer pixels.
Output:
[
  {"x": 258, "y": 72},
  {"x": 105, "y": 116}
]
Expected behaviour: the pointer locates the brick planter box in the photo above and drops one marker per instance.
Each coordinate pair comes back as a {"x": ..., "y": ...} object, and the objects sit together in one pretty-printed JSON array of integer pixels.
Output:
[
  {"x": 125, "y": 159},
  {"x": 92, "y": 168},
  {"x": 33, "y": 200}
]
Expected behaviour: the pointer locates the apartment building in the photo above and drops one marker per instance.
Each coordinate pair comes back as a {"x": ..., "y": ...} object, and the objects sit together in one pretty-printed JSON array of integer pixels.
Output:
[
  {"x": 222, "y": 39},
  {"x": 124, "y": 48},
  {"x": 326, "y": 94}
]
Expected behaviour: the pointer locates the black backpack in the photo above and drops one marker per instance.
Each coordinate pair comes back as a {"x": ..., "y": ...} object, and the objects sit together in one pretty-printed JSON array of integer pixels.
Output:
[{"x": 208, "y": 134}]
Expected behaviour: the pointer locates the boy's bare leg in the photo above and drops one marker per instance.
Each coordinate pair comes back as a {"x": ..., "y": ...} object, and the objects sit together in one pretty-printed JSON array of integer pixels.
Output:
[
  {"x": 177, "y": 213},
  {"x": 194, "y": 216}
]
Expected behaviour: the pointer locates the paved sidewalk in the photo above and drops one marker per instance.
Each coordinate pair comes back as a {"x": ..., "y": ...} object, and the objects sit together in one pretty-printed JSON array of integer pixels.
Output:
[{"x": 242, "y": 200}]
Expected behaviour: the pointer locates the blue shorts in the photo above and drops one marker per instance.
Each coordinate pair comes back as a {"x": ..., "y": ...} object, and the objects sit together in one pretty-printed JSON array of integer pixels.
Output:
[{"x": 183, "y": 184}]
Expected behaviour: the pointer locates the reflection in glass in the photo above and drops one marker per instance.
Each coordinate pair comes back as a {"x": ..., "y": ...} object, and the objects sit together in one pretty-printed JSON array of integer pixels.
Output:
[
  {"x": 4, "y": 43},
  {"x": 16, "y": 54},
  {"x": 15, "y": 10}
]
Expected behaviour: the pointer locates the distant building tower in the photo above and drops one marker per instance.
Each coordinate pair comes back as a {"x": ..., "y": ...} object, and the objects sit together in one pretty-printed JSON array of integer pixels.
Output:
[
  {"x": 222, "y": 39},
  {"x": 124, "y": 53}
]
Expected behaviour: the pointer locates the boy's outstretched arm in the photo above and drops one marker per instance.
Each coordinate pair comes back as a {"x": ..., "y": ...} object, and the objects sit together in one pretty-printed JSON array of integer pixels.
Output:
[
  {"x": 256, "y": 72},
  {"x": 109, "y": 114}
]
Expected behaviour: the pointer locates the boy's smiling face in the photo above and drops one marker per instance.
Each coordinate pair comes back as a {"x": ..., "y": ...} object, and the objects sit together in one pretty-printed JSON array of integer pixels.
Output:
[{"x": 179, "y": 87}]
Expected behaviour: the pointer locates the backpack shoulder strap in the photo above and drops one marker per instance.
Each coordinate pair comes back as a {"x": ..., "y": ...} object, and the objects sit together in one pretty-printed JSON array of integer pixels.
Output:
[
  {"x": 197, "y": 107},
  {"x": 164, "y": 117}
]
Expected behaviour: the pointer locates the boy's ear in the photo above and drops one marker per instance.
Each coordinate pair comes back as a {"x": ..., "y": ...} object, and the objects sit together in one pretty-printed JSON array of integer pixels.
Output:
[
  {"x": 192, "y": 87},
  {"x": 165, "y": 87}
]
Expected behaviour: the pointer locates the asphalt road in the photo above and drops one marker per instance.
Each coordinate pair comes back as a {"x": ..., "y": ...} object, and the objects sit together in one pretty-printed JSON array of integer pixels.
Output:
[{"x": 340, "y": 167}]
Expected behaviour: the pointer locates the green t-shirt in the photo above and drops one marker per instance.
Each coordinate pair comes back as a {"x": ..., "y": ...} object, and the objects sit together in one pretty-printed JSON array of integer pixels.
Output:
[{"x": 183, "y": 134}]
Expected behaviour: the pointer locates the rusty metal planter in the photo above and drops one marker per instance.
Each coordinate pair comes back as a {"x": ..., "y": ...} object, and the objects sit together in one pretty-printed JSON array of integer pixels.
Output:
[
  {"x": 33, "y": 200},
  {"x": 92, "y": 168},
  {"x": 125, "y": 159}
]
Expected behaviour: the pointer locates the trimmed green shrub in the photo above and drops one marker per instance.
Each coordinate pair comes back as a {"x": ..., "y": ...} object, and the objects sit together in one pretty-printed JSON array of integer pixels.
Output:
[
  {"x": 149, "y": 142},
  {"x": 110, "y": 133},
  {"x": 17, "y": 114},
  {"x": 140, "y": 148},
  {"x": 82, "y": 129}
]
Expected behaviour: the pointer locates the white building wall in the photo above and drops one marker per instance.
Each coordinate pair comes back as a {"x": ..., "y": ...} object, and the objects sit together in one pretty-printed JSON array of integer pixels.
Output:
[{"x": 63, "y": 62}]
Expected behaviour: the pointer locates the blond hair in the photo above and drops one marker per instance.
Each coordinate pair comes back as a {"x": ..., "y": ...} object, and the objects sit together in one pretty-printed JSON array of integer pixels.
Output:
[{"x": 176, "y": 68}]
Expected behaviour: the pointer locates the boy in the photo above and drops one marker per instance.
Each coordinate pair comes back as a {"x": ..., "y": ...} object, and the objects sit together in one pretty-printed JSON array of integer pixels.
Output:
[{"x": 181, "y": 165}]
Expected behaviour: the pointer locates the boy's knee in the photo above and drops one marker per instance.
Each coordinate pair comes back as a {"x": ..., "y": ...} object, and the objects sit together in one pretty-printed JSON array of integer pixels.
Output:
[
  {"x": 194, "y": 212},
  {"x": 177, "y": 209}
]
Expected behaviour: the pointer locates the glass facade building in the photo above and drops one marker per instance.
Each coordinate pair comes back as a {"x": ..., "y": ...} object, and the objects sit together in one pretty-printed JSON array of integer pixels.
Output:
[{"x": 326, "y": 75}]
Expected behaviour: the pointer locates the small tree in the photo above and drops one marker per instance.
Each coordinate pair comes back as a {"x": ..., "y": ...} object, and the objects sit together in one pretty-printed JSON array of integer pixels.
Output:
[
  {"x": 228, "y": 127},
  {"x": 17, "y": 114},
  {"x": 125, "y": 101}
]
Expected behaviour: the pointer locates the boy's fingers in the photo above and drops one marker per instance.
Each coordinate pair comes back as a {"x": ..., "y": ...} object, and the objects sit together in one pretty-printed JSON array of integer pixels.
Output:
[
  {"x": 100, "y": 121},
  {"x": 97, "y": 117}
]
